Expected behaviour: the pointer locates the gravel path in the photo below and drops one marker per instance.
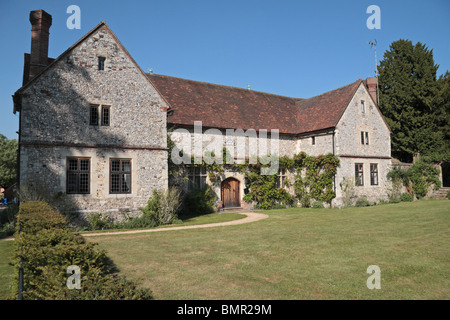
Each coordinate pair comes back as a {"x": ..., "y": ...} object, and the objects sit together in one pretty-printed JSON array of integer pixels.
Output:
[{"x": 250, "y": 217}]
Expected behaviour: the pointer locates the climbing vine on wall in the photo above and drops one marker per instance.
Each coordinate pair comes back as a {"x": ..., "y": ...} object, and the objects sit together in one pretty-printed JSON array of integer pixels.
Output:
[{"x": 313, "y": 177}]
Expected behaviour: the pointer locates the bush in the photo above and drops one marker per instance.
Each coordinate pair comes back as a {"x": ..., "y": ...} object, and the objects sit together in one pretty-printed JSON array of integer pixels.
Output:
[
  {"x": 423, "y": 175},
  {"x": 98, "y": 221},
  {"x": 146, "y": 220},
  {"x": 394, "y": 200},
  {"x": 47, "y": 247},
  {"x": 317, "y": 204},
  {"x": 362, "y": 202},
  {"x": 348, "y": 190},
  {"x": 417, "y": 179},
  {"x": 199, "y": 201},
  {"x": 162, "y": 207},
  {"x": 406, "y": 197},
  {"x": 8, "y": 220},
  {"x": 448, "y": 194}
]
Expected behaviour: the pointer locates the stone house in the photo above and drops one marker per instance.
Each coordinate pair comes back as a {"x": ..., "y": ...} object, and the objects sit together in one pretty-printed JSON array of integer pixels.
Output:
[{"x": 93, "y": 125}]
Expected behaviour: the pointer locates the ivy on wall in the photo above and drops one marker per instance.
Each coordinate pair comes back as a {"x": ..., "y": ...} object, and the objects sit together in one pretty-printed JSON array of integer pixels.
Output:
[{"x": 313, "y": 177}]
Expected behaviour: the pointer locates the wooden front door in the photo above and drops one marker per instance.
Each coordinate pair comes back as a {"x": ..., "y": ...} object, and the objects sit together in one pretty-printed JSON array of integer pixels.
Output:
[{"x": 230, "y": 193}]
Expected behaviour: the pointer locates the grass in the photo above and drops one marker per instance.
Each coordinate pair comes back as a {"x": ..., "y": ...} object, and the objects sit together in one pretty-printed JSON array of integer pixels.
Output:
[
  {"x": 293, "y": 254},
  {"x": 186, "y": 221},
  {"x": 6, "y": 270},
  {"x": 298, "y": 254}
]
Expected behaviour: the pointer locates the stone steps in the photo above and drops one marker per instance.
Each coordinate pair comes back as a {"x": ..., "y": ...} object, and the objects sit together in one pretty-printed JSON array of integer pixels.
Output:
[
  {"x": 441, "y": 193},
  {"x": 232, "y": 209}
]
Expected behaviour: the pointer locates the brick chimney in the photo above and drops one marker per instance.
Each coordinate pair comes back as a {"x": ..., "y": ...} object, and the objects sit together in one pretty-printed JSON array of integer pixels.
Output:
[
  {"x": 40, "y": 26},
  {"x": 372, "y": 86}
]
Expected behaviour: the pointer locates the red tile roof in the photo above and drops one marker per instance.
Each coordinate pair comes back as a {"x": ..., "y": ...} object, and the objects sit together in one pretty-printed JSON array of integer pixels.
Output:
[{"x": 221, "y": 106}]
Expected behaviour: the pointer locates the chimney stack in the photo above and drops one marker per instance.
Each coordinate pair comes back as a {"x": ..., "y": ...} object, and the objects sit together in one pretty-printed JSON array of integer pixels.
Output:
[
  {"x": 40, "y": 26},
  {"x": 372, "y": 84}
]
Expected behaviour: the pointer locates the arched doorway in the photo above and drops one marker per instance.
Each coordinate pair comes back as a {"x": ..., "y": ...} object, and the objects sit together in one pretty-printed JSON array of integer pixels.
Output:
[{"x": 230, "y": 191}]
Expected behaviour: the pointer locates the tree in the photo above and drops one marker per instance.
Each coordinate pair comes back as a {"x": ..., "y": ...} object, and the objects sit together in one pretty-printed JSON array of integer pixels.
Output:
[
  {"x": 8, "y": 161},
  {"x": 408, "y": 99},
  {"x": 443, "y": 113}
]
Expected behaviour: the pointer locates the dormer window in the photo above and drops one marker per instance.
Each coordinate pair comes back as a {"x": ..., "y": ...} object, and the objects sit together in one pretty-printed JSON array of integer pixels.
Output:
[{"x": 101, "y": 63}]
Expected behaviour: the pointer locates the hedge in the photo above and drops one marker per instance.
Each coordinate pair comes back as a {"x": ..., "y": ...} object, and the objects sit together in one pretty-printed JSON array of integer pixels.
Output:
[{"x": 47, "y": 247}]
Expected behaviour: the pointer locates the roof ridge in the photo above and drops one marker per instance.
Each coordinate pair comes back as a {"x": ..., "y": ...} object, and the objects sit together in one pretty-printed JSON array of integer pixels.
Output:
[
  {"x": 347, "y": 85},
  {"x": 223, "y": 85}
]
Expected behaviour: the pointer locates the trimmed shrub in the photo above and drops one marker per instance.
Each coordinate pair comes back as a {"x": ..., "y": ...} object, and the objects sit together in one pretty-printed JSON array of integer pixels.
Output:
[
  {"x": 47, "y": 247},
  {"x": 406, "y": 197},
  {"x": 448, "y": 194}
]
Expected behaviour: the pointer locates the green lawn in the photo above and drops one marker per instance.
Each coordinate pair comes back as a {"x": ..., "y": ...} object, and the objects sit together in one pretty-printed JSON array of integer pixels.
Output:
[
  {"x": 298, "y": 254},
  {"x": 6, "y": 270},
  {"x": 295, "y": 254}
]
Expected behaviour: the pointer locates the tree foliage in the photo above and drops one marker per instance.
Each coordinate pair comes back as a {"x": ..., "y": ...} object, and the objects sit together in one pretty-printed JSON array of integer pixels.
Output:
[
  {"x": 412, "y": 99},
  {"x": 8, "y": 161}
]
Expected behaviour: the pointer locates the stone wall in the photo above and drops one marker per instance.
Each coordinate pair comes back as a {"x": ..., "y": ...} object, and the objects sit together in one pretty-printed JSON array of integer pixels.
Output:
[
  {"x": 350, "y": 150},
  {"x": 197, "y": 143},
  {"x": 55, "y": 125}
]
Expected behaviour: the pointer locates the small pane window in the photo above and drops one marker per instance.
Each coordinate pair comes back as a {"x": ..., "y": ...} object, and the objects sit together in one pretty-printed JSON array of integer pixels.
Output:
[
  {"x": 364, "y": 138},
  {"x": 374, "y": 174},
  {"x": 313, "y": 140},
  {"x": 78, "y": 175},
  {"x": 105, "y": 115},
  {"x": 359, "y": 174},
  {"x": 197, "y": 177},
  {"x": 101, "y": 63},
  {"x": 120, "y": 176},
  {"x": 363, "y": 107},
  {"x": 93, "y": 115}
]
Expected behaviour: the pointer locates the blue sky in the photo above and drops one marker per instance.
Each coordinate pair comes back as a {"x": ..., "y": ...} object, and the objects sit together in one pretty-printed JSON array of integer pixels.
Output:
[{"x": 293, "y": 48}]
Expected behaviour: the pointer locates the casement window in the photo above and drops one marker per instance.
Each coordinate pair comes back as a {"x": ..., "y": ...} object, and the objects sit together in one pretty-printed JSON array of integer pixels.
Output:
[
  {"x": 119, "y": 176},
  {"x": 313, "y": 140},
  {"x": 364, "y": 138},
  {"x": 197, "y": 177},
  {"x": 359, "y": 174},
  {"x": 101, "y": 63},
  {"x": 105, "y": 115},
  {"x": 93, "y": 115},
  {"x": 78, "y": 176},
  {"x": 363, "y": 107},
  {"x": 99, "y": 114},
  {"x": 373, "y": 174}
]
